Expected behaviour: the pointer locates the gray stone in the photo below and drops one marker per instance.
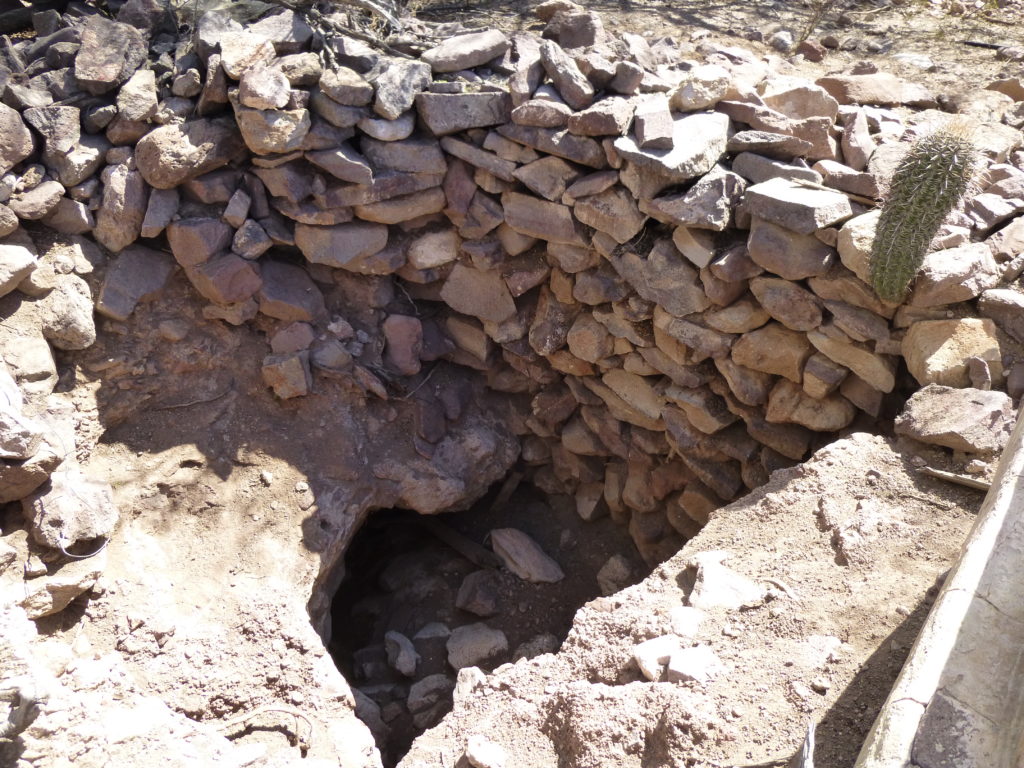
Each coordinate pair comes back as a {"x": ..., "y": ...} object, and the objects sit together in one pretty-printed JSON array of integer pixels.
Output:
[
  {"x": 20, "y": 436},
  {"x": 475, "y": 644},
  {"x": 541, "y": 219},
  {"x": 430, "y": 691},
  {"x": 778, "y": 146},
  {"x": 125, "y": 198},
  {"x": 71, "y": 509},
  {"x": 653, "y": 123},
  {"x": 611, "y": 116},
  {"x": 236, "y": 212},
  {"x": 8, "y": 221},
  {"x": 758, "y": 168},
  {"x": 264, "y": 88},
  {"x": 788, "y": 403},
  {"x": 698, "y": 142},
  {"x": 542, "y": 114},
  {"x": 797, "y": 208},
  {"x": 877, "y": 370},
  {"x": 65, "y": 314},
  {"x": 578, "y": 149},
  {"x": 251, "y": 241},
  {"x": 137, "y": 98},
  {"x": 1006, "y": 307},
  {"x": 59, "y": 126},
  {"x": 703, "y": 86},
  {"x": 346, "y": 86},
  {"x": 446, "y": 113},
  {"x": 403, "y": 337},
  {"x": 287, "y": 30},
  {"x": 388, "y": 130},
  {"x": 613, "y": 212},
  {"x": 110, "y": 52},
  {"x": 137, "y": 274},
  {"x": 574, "y": 87},
  {"x": 969, "y": 420},
  {"x": 402, "y": 656},
  {"x": 789, "y": 255},
  {"x": 69, "y": 217},
  {"x": 663, "y": 277},
  {"x": 37, "y": 202},
  {"x": 17, "y": 261},
  {"x": 955, "y": 274},
  {"x": 773, "y": 349},
  {"x": 338, "y": 115},
  {"x": 79, "y": 162},
  {"x": 937, "y": 351},
  {"x": 418, "y": 155},
  {"x": 398, "y": 85},
  {"x": 466, "y": 51},
  {"x": 879, "y": 88},
  {"x": 243, "y": 50},
  {"x": 708, "y": 204},
  {"x": 404, "y": 208},
  {"x": 547, "y": 176}
]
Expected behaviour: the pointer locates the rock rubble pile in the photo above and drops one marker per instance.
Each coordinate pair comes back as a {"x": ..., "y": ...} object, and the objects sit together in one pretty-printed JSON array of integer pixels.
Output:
[{"x": 660, "y": 253}]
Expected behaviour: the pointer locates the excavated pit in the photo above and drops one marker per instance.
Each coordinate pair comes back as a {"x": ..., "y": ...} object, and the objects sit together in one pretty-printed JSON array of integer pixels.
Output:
[
  {"x": 351, "y": 322},
  {"x": 433, "y": 579}
]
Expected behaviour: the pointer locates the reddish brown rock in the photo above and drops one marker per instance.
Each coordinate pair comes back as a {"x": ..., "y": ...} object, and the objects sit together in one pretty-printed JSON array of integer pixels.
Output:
[
  {"x": 287, "y": 293},
  {"x": 403, "y": 337},
  {"x": 225, "y": 279}
]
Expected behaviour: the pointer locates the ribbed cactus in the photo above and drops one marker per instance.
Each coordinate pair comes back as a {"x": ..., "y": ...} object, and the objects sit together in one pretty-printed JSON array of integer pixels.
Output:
[{"x": 929, "y": 182}]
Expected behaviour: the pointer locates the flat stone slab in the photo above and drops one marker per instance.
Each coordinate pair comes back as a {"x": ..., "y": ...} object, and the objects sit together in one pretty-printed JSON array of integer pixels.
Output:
[
  {"x": 540, "y": 218},
  {"x": 479, "y": 294},
  {"x": 697, "y": 143},
  {"x": 969, "y": 420},
  {"x": 445, "y": 113},
  {"x": 466, "y": 51},
  {"x": 796, "y": 207},
  {"x": 137, "y": 274},
  {"x": 340, "y": 245}
]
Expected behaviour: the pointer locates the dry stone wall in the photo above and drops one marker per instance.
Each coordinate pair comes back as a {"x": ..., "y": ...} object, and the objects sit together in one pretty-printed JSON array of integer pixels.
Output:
[{"x": 659, "y": 251}]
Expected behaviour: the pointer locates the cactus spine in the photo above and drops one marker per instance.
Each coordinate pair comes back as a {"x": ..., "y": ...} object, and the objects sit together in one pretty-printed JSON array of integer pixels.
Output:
[{"x": 931, "y": 180}]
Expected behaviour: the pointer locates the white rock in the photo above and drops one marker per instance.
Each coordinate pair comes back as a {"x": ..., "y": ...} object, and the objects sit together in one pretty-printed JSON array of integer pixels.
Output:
[
  {"x": 720, "y": 587},
  {"x": 484, "y": 753},
  {"x": 699, "y": 664},
  {"x": 686, "y": 620},
  {"x": 703, "y": 87},
  {"x": 652, "y": 655}
]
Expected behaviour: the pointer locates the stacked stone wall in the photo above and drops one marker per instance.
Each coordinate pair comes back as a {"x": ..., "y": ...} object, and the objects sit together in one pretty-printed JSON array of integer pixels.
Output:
[{"x": 658, "y": 250}]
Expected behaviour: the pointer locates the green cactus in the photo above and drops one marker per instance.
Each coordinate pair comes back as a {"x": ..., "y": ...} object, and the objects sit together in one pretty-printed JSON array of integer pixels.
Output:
[{"x": 931, "y": 180}]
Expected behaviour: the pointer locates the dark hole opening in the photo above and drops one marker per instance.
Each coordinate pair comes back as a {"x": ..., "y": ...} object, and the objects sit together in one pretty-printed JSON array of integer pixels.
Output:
[{"x": 404, "y": 575}]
